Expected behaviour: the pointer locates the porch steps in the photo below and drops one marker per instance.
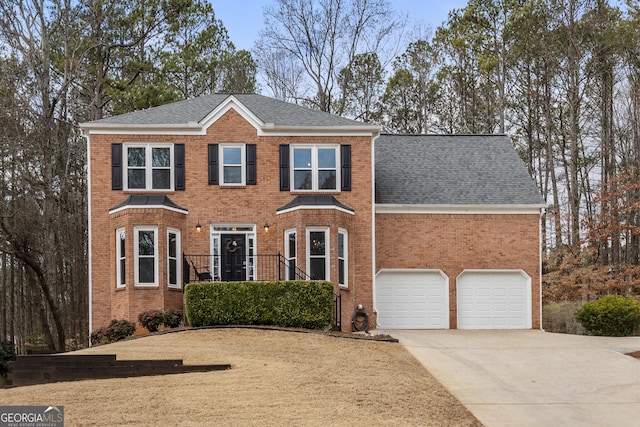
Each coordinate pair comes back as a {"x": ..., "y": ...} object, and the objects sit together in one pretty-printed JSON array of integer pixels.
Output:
[{"x": 41, "y": 369}]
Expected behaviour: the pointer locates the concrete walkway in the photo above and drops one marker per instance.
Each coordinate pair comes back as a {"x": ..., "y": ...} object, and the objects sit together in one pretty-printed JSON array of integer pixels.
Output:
[{"x": 533, "y": 378}]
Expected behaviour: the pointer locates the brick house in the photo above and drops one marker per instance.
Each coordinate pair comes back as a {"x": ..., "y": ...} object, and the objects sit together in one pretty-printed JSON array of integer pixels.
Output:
[{"x": 423, "y": 231}]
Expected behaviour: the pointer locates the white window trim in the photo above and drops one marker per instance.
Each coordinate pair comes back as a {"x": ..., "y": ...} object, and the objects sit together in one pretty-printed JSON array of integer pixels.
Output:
[
  {"x": 287, "y": 252},
  {"x": 119, "y": 257},
  {"x": 178, "y": 284},
  {"x": 327, "y": 251},
  {"x": 243, "y": 163},
  {"x": 345, "y": 259},
  {"x": 148, "y": 166},
  {"x": 136, "y": 248},
  {"x": 314, "y": 167}
]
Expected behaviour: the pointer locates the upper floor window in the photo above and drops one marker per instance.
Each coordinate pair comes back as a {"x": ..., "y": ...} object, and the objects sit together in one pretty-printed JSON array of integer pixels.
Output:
[
  {"x": 233, "y": 164},
  {"x": 149, "y": 167},
  {"x": 315, "y": 167}
]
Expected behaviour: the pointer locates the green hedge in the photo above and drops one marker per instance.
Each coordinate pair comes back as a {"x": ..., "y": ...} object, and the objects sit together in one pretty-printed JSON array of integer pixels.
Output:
[
  {"x": 303, "y": 304},
  {"x": 611, "y": 315}
]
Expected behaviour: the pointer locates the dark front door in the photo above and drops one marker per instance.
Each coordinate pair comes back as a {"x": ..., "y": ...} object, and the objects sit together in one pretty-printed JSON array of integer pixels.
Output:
[{"x": 233, "y": 257}]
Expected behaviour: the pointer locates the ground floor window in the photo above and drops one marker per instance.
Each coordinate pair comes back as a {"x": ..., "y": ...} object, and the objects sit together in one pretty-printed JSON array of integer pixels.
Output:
[
  {"x": 343, "y": 253},
  {"x": 121, "y": 260},
  {"x": 173, "y": 251},
  {"x": 290, "y": 254},
  {"x": 146, "y": 255},
  {"x": 318, "y": 253}
]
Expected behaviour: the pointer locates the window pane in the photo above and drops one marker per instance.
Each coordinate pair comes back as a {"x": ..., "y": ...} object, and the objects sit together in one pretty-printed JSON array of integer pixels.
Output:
[
  {"x": 292, "y": 270},
  {"x": 327, "y": 158},
  {"x": 317, "y": 268},
  {"x": 292, "y": 245},
  {"x": 146, "y": 242},
  {"x": 161, "y": 178},
  {"x": 136, "y": 157},
  {"x": 302, "y": 180},
  {"x": 301, "y": 158},
  {"x": 173, "y": 272},
  {"x": 146, "y": 270},
  {"x": 232, "y": 175},
  {"x": 123, "y": 273},
  {"x": 172, "y": 245},
  {"x": 341, "y": 271},
  {"x": 136, "y": 178},
  {"x": 122, "y": 243},
  {"x": 161, "y": 157},
  {"x": 340, "y": 245},
  {"x": 317, "y": 242},
  {"x": 327, "y": 180},
  {"x": 232, "y": 155}
]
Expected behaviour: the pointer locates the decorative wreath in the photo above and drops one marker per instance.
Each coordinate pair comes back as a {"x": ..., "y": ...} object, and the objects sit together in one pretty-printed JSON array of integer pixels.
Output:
[{"x": 232, "y": 246}]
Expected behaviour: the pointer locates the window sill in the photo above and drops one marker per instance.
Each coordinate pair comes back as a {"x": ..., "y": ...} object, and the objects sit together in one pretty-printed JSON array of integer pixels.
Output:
[
  {"x": 146, "y": 286},
  {"x": 343, "y": 287}
]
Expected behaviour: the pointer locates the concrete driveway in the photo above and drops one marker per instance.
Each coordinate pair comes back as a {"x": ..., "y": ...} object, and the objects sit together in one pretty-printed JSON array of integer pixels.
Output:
[{"x": 533, "y": 378}]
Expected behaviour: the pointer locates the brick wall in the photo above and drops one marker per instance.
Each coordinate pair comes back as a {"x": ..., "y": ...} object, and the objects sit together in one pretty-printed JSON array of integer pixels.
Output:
[
  {"x": 453, "y": 243},
  {"x": 207, "y": 204}
]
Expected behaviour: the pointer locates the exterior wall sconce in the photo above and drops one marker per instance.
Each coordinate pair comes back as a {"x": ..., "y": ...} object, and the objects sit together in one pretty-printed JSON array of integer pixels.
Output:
[
  {"x": 266, "y": 227},
  {"x": 198, "y": 227}
]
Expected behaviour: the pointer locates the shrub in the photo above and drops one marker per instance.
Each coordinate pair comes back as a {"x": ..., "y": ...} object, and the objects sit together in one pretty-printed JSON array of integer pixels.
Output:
[
  {"x": 560, "y": 317},
  {"x": 303, "y": 304},
  {"x": 117, "y": 330},
  {"x": 7, "y": 353},
  {"x": 612, "y": 315},
  {"x": 151, "y": 319},
  {"x": 172, "y": 318}
]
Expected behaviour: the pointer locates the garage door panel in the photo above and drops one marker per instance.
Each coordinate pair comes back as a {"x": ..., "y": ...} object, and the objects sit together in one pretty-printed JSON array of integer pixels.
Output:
[
  {"x": 412, "y": 299},
  {"x": 493, "y": 300}
]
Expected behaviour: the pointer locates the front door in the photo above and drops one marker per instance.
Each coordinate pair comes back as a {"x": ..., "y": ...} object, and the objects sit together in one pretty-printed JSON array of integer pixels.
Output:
[{"x": 233, "y": 257}]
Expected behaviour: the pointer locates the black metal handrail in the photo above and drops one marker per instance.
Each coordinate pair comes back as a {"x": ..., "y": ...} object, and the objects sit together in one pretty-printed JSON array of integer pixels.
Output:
[{"x": 208, "y": 267}]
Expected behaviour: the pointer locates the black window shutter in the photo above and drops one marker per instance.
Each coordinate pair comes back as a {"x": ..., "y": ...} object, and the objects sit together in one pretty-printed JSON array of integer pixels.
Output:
[
  {"x": 213, "y": 164},
  {"x": 116, "y": 166},
  {"x": 345, "y": 160},
  {"x": 252, "y": 178},
  {"x": 178, "y": 152},
  {"x": 284, "y": 167}
]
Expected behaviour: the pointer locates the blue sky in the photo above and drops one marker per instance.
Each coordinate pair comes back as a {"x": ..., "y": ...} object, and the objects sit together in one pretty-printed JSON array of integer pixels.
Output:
[{"x": 243, "y": 18}]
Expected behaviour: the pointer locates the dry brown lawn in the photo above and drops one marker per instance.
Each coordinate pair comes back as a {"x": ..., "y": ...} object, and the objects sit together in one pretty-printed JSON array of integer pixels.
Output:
[{"x": 277, "y": 378}]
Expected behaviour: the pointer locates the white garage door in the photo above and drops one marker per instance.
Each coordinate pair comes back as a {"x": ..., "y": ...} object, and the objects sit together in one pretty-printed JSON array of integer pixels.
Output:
[
  {"x": 412, "y": 299},
  {"x": 494, "y": 300}
]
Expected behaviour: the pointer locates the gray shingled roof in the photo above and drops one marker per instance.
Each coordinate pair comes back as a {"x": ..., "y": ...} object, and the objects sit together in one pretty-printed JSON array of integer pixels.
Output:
[
  {"x": 451, "y": 170},
  {"x": 194, "y": 110},
  {"x": 148, "y": 200},
  {"x": 314, "y": 200}
]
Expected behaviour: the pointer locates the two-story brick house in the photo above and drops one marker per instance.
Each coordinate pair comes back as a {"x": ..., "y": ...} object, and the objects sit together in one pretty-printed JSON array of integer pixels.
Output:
[{"x": 238, "y": 181}]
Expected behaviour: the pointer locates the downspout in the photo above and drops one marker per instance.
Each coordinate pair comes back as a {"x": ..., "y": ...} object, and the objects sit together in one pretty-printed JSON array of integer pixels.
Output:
[
  {"x": 542, "y": 212},
  {"x": 373, "y": 224},
  {"x": 89, "y": 232}
]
